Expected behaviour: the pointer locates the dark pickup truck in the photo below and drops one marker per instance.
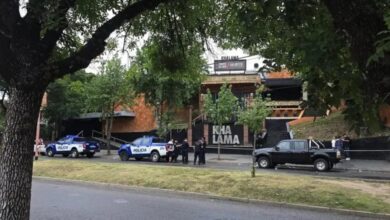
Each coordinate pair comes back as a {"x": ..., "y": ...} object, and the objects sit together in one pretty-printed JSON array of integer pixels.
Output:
[{"x": 298, "y": 151}]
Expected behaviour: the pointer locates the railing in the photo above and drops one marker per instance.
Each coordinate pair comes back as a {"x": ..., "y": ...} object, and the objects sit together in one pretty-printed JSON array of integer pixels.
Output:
[
  {"x": 98, "y": 134},
  {"x": 81, "y": 133}
]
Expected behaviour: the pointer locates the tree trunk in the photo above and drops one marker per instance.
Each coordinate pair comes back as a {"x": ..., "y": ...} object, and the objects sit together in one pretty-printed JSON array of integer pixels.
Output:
[
  {"x": 109, "y": 133},
  {"x": 253, "y": 159},
  {"x": 219, "y": 143},
  {"x": 16, "y": 154},
  {"x": 105, "y": 135}
]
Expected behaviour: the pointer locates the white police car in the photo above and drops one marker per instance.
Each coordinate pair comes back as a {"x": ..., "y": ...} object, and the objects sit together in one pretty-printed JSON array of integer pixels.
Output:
[
  {"x": 147, "y": 146},
  {"x": 74, "y": 146}
]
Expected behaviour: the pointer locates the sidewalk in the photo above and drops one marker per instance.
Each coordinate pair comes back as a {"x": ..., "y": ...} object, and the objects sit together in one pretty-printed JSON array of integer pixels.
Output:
[
  {"x": 353, "y": 164},
  {"x": 240, "y": 160}
]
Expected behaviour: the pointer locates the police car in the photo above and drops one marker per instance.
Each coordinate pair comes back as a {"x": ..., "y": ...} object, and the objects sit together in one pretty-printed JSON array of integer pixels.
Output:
[
  {"x": 74, "y": 146},
  {"x": 147, "y": 146}
]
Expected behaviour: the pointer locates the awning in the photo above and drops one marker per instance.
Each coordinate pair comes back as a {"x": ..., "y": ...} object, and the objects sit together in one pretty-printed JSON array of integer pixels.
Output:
[
  {"x": 93, "y": 115},
  {"x": 282, "y": 82}
]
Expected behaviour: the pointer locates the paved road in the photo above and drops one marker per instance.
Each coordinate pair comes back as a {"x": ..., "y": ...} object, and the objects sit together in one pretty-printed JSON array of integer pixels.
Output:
[
  {"x": 59, "y": 200},
  {"x": 244, "y": 164}
]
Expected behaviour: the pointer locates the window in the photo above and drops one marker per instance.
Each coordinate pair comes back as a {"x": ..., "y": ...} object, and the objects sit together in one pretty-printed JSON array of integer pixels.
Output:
[
  {"x": 137, "y": 142},
  {"x": 299, "y": 146},
  {"x": 158, "y": 140},
  {"x": 284, "y": 146}
]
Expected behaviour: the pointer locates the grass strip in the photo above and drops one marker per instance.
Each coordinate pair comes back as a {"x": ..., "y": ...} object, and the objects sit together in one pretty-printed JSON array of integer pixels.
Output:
[{"x": 271, "y": 187}]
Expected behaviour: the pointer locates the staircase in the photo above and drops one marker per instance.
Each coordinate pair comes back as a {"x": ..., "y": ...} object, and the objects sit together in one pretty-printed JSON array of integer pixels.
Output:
[
  {"x": 277, "y": 131},
  {"x": 114, "y": 142}
]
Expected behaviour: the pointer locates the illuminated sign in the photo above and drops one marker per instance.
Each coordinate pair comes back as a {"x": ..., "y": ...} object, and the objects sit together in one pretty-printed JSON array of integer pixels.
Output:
[{"x": 229, "y": 65}]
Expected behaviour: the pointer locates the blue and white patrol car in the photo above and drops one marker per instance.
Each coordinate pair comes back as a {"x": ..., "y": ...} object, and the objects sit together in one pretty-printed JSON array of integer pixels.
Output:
[
  {"x": 146, "y": 146},
  {"x": 74, "y": 146}
]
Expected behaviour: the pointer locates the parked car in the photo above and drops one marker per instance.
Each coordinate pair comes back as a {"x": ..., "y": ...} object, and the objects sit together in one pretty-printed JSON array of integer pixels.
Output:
[
  {"x": 298, "y": 151},
  {"x": 74, "y": 146},
  {"x": 146, "y": 146}
]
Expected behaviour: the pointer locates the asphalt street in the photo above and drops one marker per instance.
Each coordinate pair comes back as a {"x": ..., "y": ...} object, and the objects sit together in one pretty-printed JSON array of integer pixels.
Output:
[
  {"x": 59, "y": 200},
  {"x": 243, "y": 165}
]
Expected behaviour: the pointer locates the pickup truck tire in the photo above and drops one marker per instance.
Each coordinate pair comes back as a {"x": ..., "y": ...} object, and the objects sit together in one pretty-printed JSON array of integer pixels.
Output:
[
  {"x": 123, "y": 155},
  {"x": 155, "y": 156},
  {"x": 264, "y": 162},
  {"x": 74, "y": 153},
  {"x": 321, "y": 164},
  {"x": 50, "y": 152}
]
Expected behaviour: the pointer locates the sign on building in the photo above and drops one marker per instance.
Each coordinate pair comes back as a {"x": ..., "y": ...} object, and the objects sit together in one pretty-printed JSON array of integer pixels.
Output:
[
  {"x": 226, "y": 134},
  {"x": 229, "y": 65}
]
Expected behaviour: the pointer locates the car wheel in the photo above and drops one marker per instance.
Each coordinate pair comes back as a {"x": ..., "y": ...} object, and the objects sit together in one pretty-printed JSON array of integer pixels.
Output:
[
  {"x": 123, "y": 155},
  {"x": 74, "y": 153},
  {"x": 138, "y": 158},
  {"x": 321, "y": 164},
  {"x": 264, "y": 162},
  {"x": 50, "y": 152},
  {"x": 90, "y": 155},
  {"x": 155, "y": 156},
  {"x": 65, "y": 155}
]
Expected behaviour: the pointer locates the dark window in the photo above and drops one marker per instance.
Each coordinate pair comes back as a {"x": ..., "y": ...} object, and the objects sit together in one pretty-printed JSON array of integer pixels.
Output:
[
  {"x": 299, "y": 146},
  {"x": 284, "y": 146},
  {"x": 80, "y": 139},
  {"x": 158, "y": 140}
]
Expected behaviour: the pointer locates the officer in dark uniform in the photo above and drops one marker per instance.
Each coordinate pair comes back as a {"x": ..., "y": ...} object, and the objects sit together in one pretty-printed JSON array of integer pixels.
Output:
[
  {"x": 175, "y": 151},
  {"x": 184, "y": 151},
  {"x": 197, "y": 147}
]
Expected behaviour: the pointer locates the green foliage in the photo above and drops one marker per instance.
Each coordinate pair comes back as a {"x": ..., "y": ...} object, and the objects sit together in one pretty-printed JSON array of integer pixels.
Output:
[
  {"x": 167, "y": 75},
  {"x": 65, "y": 97},
  {"x": 223, "y": 108},
  {"x": 164, "y": 73},
  {"x": 300, "y": 36},
  {"x": 254, "y": 115},
  {"x": 109, "y": 89}
]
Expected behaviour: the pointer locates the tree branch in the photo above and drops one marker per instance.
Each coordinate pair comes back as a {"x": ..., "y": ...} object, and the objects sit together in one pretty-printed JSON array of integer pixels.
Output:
[
  {"x": 51, "y": 37},
  {"x": 96, "y": 44},
  {"x": 9, "y": 16}
]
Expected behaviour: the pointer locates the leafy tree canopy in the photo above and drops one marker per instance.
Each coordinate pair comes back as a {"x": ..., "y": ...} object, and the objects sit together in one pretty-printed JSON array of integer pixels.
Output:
[{"x": 327, "y": 43}]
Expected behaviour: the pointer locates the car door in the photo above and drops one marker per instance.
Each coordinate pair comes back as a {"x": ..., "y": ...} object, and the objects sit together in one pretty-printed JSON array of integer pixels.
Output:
[
  {"x": 136, "y": 146},
  {"x": 301, "y": 153},
  {"x": 145, "y": 147},
  {"x": 62, "y": 145},
  {"x": 282, "y": 153}
]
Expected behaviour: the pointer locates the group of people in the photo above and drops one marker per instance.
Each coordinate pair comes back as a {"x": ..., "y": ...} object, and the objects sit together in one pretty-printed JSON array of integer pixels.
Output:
[
  {"x": 174, "y": 149},
  {"x": 343, "y": 144}
]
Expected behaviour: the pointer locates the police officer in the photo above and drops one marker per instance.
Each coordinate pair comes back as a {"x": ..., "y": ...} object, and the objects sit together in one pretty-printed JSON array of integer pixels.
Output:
[
  {"x": 197, "y": 147},
  {"x": 184, "y": 151},
  {"x": 175, "y": 151}
]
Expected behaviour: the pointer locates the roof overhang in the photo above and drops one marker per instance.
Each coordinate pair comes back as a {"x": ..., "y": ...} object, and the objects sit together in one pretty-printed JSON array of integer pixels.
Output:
[
  {"x": 118, "y": 114},
  {"x": 282, "y": 82}
]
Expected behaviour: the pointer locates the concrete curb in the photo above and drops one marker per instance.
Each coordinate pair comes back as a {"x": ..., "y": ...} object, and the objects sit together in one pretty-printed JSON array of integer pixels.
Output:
[{"x": 216, "y": 197}]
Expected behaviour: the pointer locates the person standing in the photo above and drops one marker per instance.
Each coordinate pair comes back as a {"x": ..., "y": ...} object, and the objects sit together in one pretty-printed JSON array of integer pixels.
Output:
[
  {"x": 175, "y": 151},
  {"x": 339, "y": 144},
  {"x": 346, "y": 144},
  {"x": 170, "y": 149},
  {"x": 334, "y": 142},
  {"x": 197, "y": 147},
  {"x": 202, "y": 157},
  {"x": 184, "y": 151}
]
